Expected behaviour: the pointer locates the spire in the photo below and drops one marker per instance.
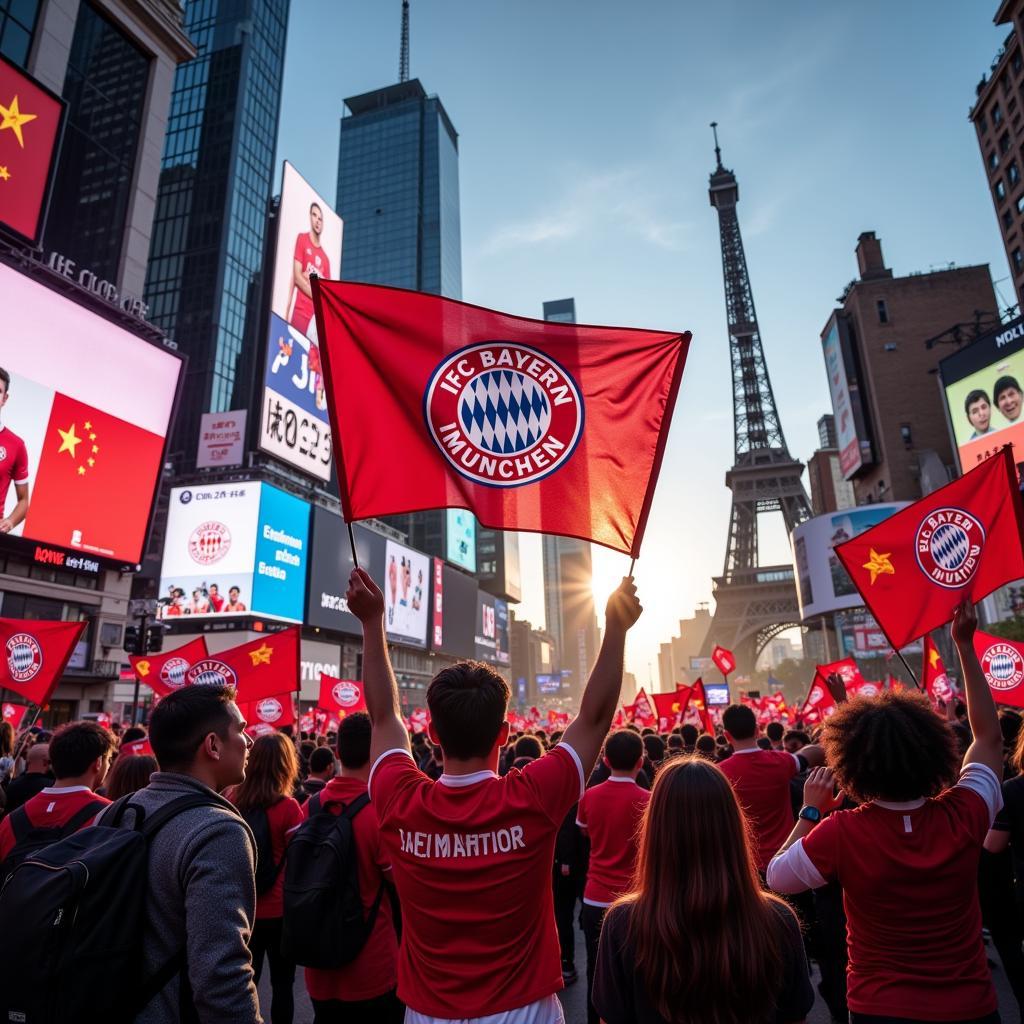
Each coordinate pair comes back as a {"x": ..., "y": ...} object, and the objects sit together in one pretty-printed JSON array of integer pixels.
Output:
[
  {"x": 403, "y": 57},
  {"x": 718, "y": 151}
]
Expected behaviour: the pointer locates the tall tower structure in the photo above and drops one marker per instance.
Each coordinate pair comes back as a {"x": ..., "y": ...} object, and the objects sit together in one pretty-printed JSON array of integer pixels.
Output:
[{"x": 753, "y": 603}]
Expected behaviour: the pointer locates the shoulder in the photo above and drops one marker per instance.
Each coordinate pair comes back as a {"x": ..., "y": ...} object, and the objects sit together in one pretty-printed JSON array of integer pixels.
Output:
[
  {"x": 785, "y": 917},
  {"x": 615, "y": 927}
]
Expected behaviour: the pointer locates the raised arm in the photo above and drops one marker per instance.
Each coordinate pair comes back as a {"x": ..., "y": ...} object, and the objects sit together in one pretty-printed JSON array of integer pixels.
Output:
[
  {"x": 987, "y": 747},
  {"x": 366, "y": 603},
  {"x": 588, "y": 729}
]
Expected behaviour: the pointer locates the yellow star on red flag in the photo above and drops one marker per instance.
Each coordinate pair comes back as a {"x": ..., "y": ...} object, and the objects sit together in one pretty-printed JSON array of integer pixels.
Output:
[
  {"x": 13, "y": 118},
  {"x": 69, "y": 440},
  {"x": 261, "y": 656},
  {"x": 142, "y": 667},
  {"x": 879, "y": 565}
]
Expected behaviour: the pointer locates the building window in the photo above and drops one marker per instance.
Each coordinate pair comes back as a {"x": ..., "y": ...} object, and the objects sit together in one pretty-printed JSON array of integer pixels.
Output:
[
  {"x": 993, "y": 161},
  {"x": 890, "y": 346},
  {"x": 906, "y": 435},
  {"x": 1013, "y": 173},
  {"x": 105, "y": 90},
  {"x": 1000, "y": 190},
  {"x": 1004, "y": 142},
  {"x": 883, "y": 312},
  {"x": 17, "y": 25},
  {"x": 997, "y": 115},
  {"x": 1018, "y": 260}
]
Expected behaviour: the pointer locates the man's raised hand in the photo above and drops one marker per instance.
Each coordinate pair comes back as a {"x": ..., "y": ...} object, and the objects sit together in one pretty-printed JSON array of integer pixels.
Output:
[
  {"x": 365, "y": 600},
  {"x": 623, "y": 607}
]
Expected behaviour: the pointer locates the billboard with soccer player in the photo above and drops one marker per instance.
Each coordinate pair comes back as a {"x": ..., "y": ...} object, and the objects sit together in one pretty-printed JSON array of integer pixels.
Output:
[
  {"x": 294, "y": 424},
  {"x": 82, "y": 426}
]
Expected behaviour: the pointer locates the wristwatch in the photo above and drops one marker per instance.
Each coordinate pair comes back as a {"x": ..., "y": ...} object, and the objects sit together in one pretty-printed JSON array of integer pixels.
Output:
[{"x": 811, "y": 814}]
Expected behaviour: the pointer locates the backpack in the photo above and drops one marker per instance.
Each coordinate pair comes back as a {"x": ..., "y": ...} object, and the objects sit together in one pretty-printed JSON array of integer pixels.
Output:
[
  {"x": 74, "y": 915},
  {"x": 323, "y": 922},
  {"x": 28, "y": 839},
  {"x": 266, "y": 870}
]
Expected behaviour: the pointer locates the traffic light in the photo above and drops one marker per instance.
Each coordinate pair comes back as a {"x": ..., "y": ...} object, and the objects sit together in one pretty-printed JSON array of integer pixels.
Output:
[
  {"x": 132, "y": 640},
  {"x": 155, "y": 639}
]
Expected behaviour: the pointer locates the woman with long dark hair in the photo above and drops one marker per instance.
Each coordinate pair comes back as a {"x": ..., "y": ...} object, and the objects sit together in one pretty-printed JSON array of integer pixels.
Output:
[
  {"x": 266, "y": 802},
  {"x": 697, "y": 940},
  {"x": 130, "y": 773}
]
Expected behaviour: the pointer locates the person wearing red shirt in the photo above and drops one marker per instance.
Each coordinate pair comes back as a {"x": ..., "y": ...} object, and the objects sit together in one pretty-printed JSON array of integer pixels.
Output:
[
  {"x": 80, "y": 755},
  {"x": 610, "y": 815},
  {"x": 363, "y": 991},
  {"x": 216, "y": 598},
  {"x": 13, "y": 465},
  {"x": 761, "y": 780},
  {"x": 308, "y": 258},
  {"x": 907, "y": 856},
  {"x": 472, "y": 852},
  {"x": 265, "y": 801}
]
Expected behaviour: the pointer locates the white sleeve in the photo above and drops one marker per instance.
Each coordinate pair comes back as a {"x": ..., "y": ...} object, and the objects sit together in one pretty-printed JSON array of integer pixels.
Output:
[
  {"x": 982, "y": 780},
  {"x": 793, "y": 872}
]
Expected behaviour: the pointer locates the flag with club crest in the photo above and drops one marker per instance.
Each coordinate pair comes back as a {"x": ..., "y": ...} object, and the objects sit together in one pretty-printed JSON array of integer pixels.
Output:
[
  {"x": 164, "y": 673},
  {"x": 15, "y": 714},
  {"x": 277, "y": 710},
  {"x": 341, "y": 696},
  {"x": 936, "y": 682},
  {"x": 265, "y": 667},
  {"x": 1002, "y": 661},
  {"x": 34, "y": 654}
]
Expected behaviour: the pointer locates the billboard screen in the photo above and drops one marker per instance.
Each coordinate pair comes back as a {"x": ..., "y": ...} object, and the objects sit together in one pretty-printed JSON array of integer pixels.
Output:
[
  {"x": 850, "y": 458},
  {"x": 460, "y": 538},
  {"x": 84, "y": 424},
  {"x": 330, "y": 567},
  {"x": 406, "y": 583},
  {"x": 491, "y": 636},
  {"x": 822, "y": 584},
  {"x": 234, "y": 549},
  {"x": 294, "y": 424},
  {"x": 457, "y": 635},
  {"x": 716, "y": 693},
  {"x": 982, "y": 385}
]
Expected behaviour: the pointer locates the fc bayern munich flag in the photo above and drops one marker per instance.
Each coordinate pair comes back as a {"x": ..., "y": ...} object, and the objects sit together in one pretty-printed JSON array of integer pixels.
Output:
[
  {"x": 530, "y": 425},
  {"x": 276, "y": 711},
  {"x": 35, "y": 654},
  {"x": 963, "y": 540},
  {"x": 1002, "y": 661},
  {"x": 265, "y": 667},
  {"x": 165, "y": 673},
  {"x": 936, "y": 682},
  {"x": 15, "y": 714},
  {"x": 341, "y": 696}
]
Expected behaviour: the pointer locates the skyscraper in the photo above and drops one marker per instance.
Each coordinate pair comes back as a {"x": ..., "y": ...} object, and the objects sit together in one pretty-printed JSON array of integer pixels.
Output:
[
  {"x": 398, "y": 191},
  {"x": 211, "y": 209},
  {"x": 568, "y": 576}
]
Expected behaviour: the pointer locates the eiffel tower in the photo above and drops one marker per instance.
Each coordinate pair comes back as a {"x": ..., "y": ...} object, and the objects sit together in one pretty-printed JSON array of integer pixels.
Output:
[{"x": 753, "y": 602}]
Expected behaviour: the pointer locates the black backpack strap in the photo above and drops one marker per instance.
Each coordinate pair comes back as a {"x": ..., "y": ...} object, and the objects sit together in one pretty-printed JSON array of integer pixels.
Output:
[
  {"x": 85, "y": 814},
  {"x": 314, "y": 805},
  {"x": 20, "y": 825},
  {"x": 157, "y": 819},
  {"x": 352, "y": 809},
  {"x": 156, "y": 982}
]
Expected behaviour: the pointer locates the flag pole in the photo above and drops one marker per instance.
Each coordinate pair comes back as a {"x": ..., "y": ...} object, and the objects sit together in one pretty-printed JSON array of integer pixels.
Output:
[
  {"x": 631, "y": 565},
  {"x": 899, "y": 654},
  {"x": 352, "y": 541}
]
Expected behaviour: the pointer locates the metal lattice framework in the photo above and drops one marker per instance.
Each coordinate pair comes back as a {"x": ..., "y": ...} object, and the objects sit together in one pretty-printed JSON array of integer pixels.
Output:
[
  {"x": 753, "y": 603},
  {"x": 403, "y": 56}
]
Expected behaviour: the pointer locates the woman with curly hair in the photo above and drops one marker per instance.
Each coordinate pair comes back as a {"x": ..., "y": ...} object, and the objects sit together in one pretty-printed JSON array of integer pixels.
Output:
[{"x": 907, "y": 857}]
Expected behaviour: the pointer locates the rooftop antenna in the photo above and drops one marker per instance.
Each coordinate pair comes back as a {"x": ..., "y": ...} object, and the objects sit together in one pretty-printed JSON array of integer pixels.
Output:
[
  {"x": 403, "y": 58},
  {"x": 718, "y": 151}
]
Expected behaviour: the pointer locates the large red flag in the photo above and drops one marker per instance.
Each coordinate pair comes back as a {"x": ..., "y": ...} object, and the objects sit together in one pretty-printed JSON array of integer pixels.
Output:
[
  {"x": 963, "y": 540},
  {"x": 936, "y": 682},
  {"x": 342, "y": 696},
  {"x": 1003, "y": 664},
  {"x": 531, "y": 425},
  {"x": 165, "y": 673},
  {"x": 265, "y": 667},
  {"x": 35, "y": 653}
]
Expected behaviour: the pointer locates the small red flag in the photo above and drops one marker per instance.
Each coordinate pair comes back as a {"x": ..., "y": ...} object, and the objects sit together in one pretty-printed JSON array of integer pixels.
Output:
[
  {"x": 531, "y": 425},
  {"x": 643, "y": 710},
  {"x": 723, "y": 660},
  {"x": 35, "y": 653},
  {"x": 1002, "y": 661},
  {"x": 668, "y": 707},
  {"x": 342, "y": 696},
  {"x": 419, "y": 720},
  {"x": 936, "y": 682},
  {"x": 696, "y": 695},
  {"x": 276, "y": 710},
  {"x": 15, "y": 714},
  {"x": 963, "y": 540},
  {"x": 164, "y": 673},
  {"x": 136, "y": 748},
  {"x": 307, "y": 723},
  {"x": 265, "y": 667}
]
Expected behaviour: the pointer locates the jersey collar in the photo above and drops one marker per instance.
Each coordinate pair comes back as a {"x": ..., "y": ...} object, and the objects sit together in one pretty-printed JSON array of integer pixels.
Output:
[{"x": 466, "y": 780}]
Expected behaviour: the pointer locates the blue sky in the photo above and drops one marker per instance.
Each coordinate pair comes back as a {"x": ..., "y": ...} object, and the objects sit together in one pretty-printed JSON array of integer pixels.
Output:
[{"x": 584, "y": 159}]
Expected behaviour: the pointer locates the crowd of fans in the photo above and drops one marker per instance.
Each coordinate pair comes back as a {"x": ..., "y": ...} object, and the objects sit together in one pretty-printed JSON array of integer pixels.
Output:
[{"x": 440, "y": 876}]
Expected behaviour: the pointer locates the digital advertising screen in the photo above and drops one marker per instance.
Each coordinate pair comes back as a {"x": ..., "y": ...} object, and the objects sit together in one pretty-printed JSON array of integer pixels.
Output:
[
  {"x": 234, "y": 549},
  {"x": 460, "y": 538},
  {"x": 983, "y": 384},
  {"x": 491, "y": 635},
  {"x": 329, "y": 569},
  {"x": 549, "y": 685},
  {"x": 716, "y": 693},
  {"x": 455, "y": 633},
  {"x": 294, "y": 423},
  {"x": 406, "y": 584},
  {"x": 84, "y": 425}
]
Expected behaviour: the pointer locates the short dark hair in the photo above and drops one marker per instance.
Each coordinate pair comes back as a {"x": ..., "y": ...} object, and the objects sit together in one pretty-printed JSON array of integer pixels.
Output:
[
  {"x": 1004, "y": 384},
  {"x": 322, "y": 758},
  {"x": 891, "y": 747},
  {"x": 739, "y": 722},
  {"x": 623, "y": 749},
  {"x": 764, "y": 743},
  {"x": 705, "y": 745},
  {"x": 184, "y": 718},
  {"x": 689, "y": 734},
  {"x": 675, "y": 742},
  {"x": 6, "y": 378},
  {"x": 528, "y": 746},
  {"x": 775, "y": 731},
  {"x": 977, "y": 395},
  {"x": 353, "y": 740},
  {"x": 468, "y": 702},
  {"x": 75, "y": 746},
  {"x": 655, "y": 748},
  {"x": 133, "y": 733},
  {"x": 316, "y": 206}
]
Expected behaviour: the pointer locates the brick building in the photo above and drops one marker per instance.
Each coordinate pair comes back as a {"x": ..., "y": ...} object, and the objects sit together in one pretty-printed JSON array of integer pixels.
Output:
[
  {"x": 892, "y": 435},
  {"x": 829, "y": 490},
  {"x": 998, "y": 119}
]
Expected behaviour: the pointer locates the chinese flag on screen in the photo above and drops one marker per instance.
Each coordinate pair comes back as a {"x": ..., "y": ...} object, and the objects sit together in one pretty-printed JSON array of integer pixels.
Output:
[
  {"x": 530, "y": 425},
  {"x": 963, "y": 540},
  {"x": 341, "y": 696},
  {"x": 89, "y": 492},
  {"x": 34, "y": 654},
  {"x": 165, "y": 673},
  {"x": 29, "y": 128},
  {"x": 265, "y": 667}
]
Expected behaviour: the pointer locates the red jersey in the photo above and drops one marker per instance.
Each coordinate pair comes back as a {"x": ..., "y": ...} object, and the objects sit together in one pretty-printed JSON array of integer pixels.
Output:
[
  {"x": 50, "y": 808},
  {"x": 313, "y": 260},
  {"x": 611, "y": 813},
  {"x": 373, "y": 972},
  {"x": 760, "y": 779},
  {"x": 13, "y": 463},
  {"x": 909, "y": 874},
  {"x": 283, "y": 817},
  {"x": 472, "y": 858}
]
